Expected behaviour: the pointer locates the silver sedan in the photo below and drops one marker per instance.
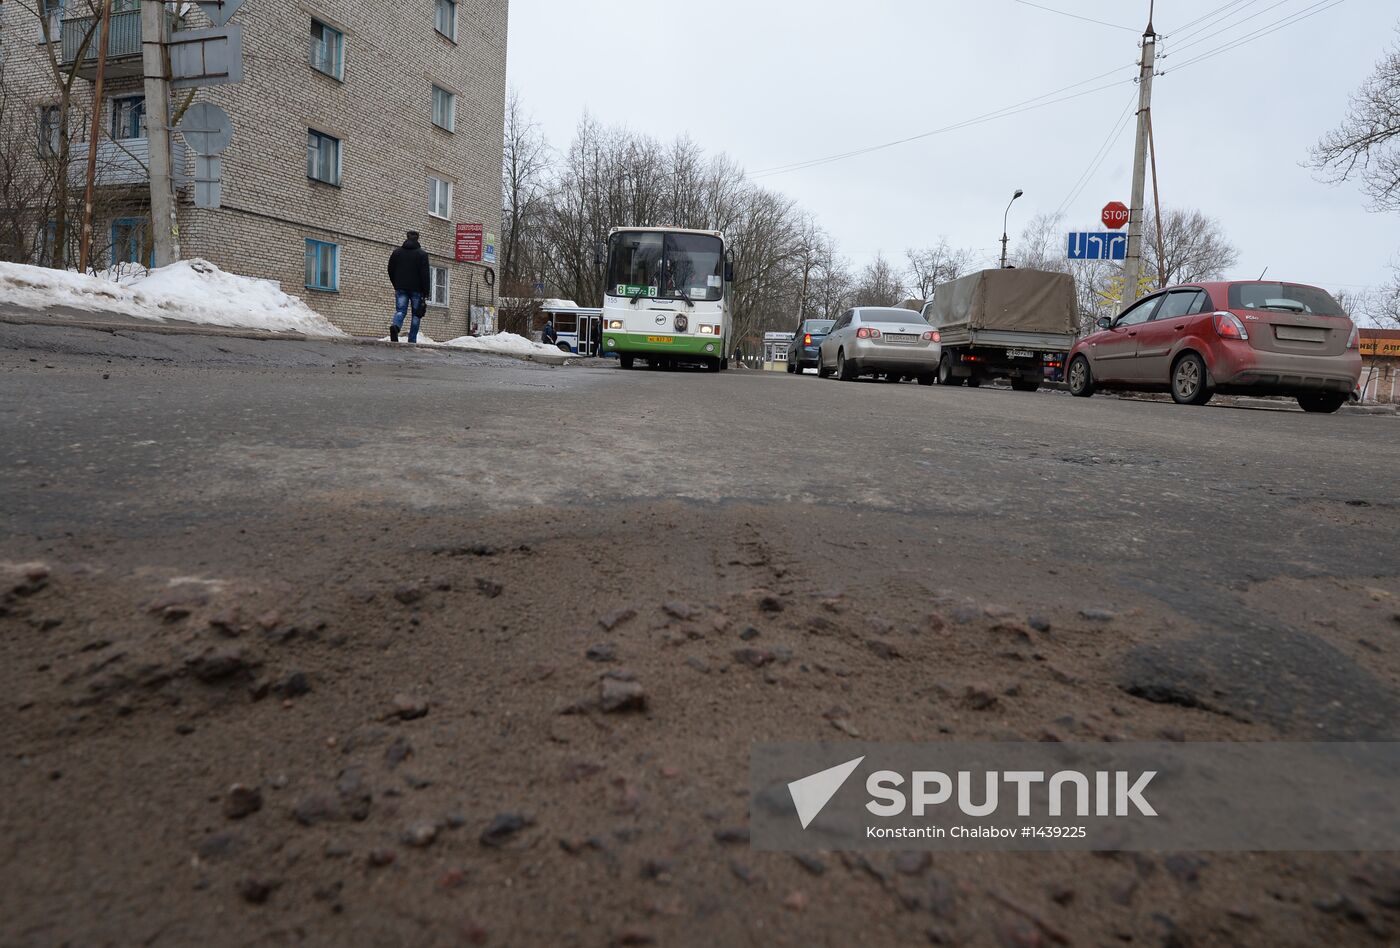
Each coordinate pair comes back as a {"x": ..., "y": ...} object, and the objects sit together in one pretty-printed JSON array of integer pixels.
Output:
[{"x": 882, "y": 341}]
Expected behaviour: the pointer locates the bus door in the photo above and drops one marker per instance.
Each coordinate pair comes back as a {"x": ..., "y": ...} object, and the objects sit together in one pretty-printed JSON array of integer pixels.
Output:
[{"x": 590, "y": 335}]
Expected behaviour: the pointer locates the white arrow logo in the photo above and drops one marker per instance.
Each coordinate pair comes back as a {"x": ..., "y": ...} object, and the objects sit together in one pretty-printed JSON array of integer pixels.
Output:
[{"x": 811, "y": 794}]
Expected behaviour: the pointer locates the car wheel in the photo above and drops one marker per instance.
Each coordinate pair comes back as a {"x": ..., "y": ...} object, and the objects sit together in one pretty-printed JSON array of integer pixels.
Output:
[
  {"x": 928, "y": 378},
  {"x": 1190, "y": 384},
  {"x": 945, "y": 371},
  {"x": 625, "y": 361},
  {"x": 844, "y": 370},
  {"x": 789, "y": 368},
  {"x": 822, "y": 371},
  {"x": 1321, "y": 404},
  {"x": 1080, "y": 378},
  {"x": 711, "y": 365}
]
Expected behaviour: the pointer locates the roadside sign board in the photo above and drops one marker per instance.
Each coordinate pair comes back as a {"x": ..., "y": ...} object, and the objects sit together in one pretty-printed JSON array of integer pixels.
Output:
[
  {"x": 219, "y": 12},
  {"x": 206, "y": 57},
  {"x": 206, "y": 128},
  {"x": 1092, "y": 246},
  {"x": 470, "y": 242},
  {"x": 1115, "y": 215},
  {"x": 488, "y": 249}
]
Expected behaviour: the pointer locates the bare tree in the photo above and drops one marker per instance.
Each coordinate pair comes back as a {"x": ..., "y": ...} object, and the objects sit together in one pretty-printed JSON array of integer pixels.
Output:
[
  {"x": 1367, "y": 143},
  {"x": 940, "y": 263},
  {"x": 879, "y": 284},
  {"x": 1194, "y": 248},
  {"x": 523, "y": 189},
  {"x": 1042, "y": 245}
]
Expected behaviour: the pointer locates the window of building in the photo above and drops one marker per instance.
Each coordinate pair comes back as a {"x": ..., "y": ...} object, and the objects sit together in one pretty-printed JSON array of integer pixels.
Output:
[
  {"x": 322, "y": 157},
  {"x": 327, "y": 50},
  {"x": 440, "y": 286},
  {"x": 444, "y": 108},
  {"x": 48, "y": 128},
  {"x": 322, "y": 266},
  {"x": 439, "y": 197},
  {"x": 52, "y": 13},
  {"x": 131, "y": 243},
  {"x": 446, "y": 21},
  {"x": 129, "y": 117}
]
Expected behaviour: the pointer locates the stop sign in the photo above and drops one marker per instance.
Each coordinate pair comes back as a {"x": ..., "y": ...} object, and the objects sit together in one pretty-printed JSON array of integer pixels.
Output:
[{"x": 1115, "y": 215}]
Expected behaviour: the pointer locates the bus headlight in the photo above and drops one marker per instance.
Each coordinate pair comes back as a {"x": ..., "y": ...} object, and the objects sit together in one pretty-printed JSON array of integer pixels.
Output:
[
  {"x": 614, "y": 324},
  {"x": 707, "y": 330}
]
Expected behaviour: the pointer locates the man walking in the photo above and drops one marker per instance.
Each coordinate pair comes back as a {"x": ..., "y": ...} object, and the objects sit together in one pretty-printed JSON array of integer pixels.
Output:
[
  {"x": 408, "y": 272},
  {"x": 549, "y": 336}
]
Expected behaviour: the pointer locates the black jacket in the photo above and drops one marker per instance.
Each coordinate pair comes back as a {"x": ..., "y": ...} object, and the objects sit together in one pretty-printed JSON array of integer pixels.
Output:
[
  {"x": 548, "y": 335},
  {"x": 408, "y": 268}
]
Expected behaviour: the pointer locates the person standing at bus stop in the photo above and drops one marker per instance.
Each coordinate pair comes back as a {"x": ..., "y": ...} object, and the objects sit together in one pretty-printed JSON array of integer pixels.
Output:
[{"x": 408, "y": 272}]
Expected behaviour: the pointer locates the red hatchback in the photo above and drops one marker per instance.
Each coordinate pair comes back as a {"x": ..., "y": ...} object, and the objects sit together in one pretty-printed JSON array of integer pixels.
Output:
[{"x": 1233, "y": 338}]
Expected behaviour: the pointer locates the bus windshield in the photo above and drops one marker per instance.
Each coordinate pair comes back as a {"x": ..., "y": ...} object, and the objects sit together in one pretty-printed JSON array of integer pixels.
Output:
[{"x": 655, "y": 265}]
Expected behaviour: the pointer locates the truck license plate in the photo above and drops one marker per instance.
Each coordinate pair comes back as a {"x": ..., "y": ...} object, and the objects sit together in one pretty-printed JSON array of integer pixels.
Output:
[
  {"x": 660, "y": 339},
  {"x": 1020, "y": 353}
]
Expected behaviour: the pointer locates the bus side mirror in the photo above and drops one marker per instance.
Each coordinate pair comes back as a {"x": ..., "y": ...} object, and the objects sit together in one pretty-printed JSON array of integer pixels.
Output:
[
  {"x": 729, "y": 271},
  {"x": 600, "y": 253}
]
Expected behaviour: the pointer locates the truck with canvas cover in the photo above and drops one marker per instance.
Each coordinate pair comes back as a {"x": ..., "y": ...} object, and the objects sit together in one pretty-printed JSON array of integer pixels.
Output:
[{"x": 1011, "y": 324}]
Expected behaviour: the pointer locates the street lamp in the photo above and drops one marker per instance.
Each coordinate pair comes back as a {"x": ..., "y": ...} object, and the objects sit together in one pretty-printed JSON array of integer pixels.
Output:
[{"x": 1018, "y": 193}]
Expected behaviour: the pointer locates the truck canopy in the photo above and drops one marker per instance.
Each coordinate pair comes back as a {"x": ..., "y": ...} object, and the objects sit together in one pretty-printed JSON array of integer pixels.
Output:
[{"x": 1009, "y": 300}]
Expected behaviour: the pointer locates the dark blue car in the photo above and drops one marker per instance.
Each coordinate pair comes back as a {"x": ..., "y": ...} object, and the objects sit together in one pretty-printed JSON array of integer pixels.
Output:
[{"x": 806, "y": 344}]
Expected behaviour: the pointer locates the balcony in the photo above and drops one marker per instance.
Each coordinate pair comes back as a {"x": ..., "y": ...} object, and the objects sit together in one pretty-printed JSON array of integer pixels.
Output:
[
  {"x": 123, "y": 44},
  {"x": 123, "y": 163}
]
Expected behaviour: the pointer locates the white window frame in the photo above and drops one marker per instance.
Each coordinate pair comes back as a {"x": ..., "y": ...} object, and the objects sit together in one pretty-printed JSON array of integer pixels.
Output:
[
  {"x": 434, "y": 283},
  {"x": 437, "y": 9},
  {"x": 435, "y": 208},
  {"x": 339, "y": 157},
  {"x": 337, "y": 72},
  {"x": 451, "y": 98}
]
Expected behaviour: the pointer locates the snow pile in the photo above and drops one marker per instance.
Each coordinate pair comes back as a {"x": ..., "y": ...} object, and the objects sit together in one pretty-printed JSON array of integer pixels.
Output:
[
  {"x": 192, "y": 291},
  {"x": 507, "y": 343}
]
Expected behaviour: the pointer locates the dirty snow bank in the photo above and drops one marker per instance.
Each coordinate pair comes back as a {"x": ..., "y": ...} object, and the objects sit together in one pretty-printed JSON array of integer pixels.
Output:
[
  {"x": 192, "y": 291},
  {"x": 508, "y": 343}
]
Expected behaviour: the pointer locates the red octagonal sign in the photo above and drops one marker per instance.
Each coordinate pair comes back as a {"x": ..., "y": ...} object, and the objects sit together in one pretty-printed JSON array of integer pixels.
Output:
[{"x": 1115, "y": 215}]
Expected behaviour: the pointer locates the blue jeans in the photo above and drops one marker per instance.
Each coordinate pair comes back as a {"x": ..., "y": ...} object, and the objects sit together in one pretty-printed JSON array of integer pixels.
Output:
[{"x": 402, "y": 302}]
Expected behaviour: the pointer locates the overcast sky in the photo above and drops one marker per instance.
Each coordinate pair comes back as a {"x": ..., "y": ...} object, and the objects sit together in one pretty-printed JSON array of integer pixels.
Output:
[{"x": 775, "y": 82}]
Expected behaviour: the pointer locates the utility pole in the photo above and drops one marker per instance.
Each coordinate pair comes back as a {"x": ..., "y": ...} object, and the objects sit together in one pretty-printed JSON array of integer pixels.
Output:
[
  {"x": 164, "y": 224},
  {"x": 1132, "y": 266},
  {"x": 85, "y": 247}
]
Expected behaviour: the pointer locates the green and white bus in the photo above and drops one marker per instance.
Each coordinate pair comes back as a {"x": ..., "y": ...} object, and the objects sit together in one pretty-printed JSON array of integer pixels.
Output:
[{"x": 666, "y": 297}]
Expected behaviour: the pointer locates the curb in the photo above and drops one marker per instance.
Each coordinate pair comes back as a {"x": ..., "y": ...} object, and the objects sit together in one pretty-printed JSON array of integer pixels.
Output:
[{"x": 229, "y": 332}]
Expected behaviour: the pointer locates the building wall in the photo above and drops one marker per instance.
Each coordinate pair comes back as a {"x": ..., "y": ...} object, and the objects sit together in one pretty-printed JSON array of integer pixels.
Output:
[{"x": 381, "y": 111}]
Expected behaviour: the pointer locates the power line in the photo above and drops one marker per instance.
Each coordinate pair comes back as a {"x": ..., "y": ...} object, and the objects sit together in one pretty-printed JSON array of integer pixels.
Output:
[
  {"x": 1223, "y": 6},
  {"x": 1114, "y": 133},
  {"x": 1076, "y": 16},
  {"x": 1210, "y": 35},
  {"x": 1220, "y": 15},
  {"x": 1306, "y": 13},
  {"x": 1016, "y": 109}
]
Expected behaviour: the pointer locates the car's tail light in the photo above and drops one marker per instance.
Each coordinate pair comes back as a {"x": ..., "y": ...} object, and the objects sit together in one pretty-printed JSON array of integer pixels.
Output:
[
  {"x": 865, "y": 332},
  {"x": 1354, "y": 341},
  {"x": 807, "y": 339},
  {"x": 931, "y": 336},
  {"x": 1228, "y": 326}
]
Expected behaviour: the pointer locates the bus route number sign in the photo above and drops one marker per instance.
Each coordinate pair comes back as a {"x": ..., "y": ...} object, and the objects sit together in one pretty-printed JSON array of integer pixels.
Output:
[{"x": 626, "y": 289}]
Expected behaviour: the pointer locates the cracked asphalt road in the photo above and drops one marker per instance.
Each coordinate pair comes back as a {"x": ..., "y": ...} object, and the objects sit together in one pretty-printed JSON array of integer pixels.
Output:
[{"x": 1248, "y": 560}]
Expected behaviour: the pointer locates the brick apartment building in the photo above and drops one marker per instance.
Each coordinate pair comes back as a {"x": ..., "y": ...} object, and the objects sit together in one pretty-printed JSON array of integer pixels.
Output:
[
  {"x": 355, "y": 123},
  {"x": 1380, "y": 365}
]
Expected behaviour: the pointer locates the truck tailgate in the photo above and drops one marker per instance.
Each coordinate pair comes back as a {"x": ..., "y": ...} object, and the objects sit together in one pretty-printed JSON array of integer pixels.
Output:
[{"x": 1008, "y": 339}]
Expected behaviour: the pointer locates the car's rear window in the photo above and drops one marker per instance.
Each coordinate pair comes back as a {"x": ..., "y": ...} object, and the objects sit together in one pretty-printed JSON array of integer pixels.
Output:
[
  {"x": 1284, "y": 297},
  {"x": 819, "y": 325},
  {"x": 902, "y": 317}
]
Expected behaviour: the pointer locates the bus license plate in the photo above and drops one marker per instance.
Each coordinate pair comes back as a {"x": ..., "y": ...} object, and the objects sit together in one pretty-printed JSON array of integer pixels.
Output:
[
  {"x": 1020, "y": 353},
  {"x": 660, "y": 339}
]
